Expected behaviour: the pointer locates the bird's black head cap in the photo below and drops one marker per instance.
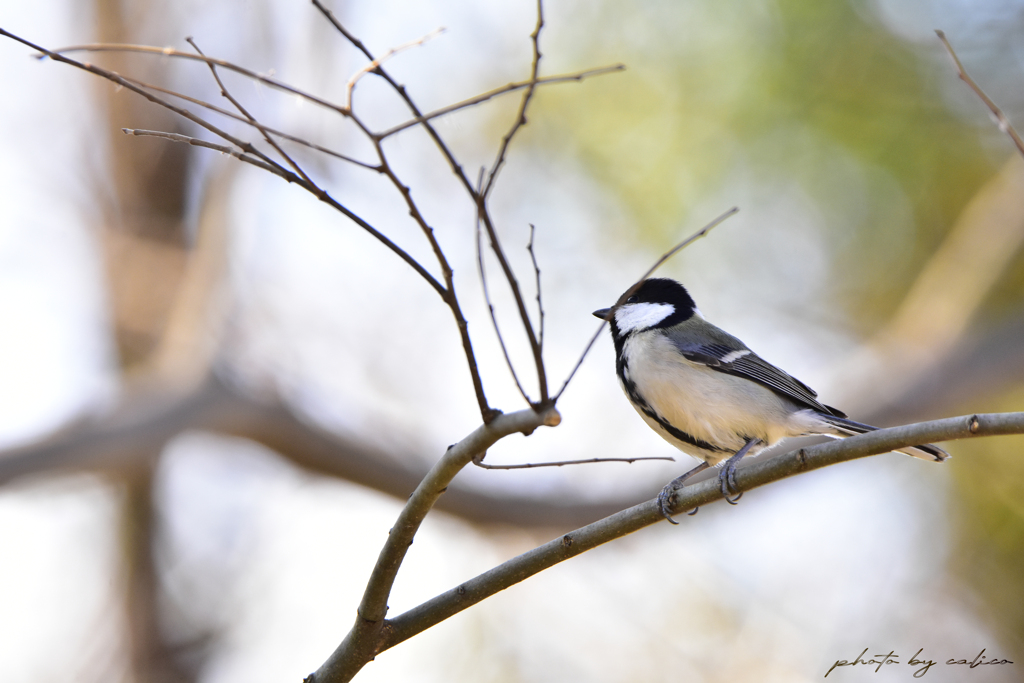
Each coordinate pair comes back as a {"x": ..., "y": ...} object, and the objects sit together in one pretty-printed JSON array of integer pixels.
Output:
[{"x": 658, "y": 293}]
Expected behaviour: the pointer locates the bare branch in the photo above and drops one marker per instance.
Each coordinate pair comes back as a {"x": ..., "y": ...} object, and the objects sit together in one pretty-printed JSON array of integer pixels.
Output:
[
  {"x": 676, "y": 249},
  {"x": 249, "y": 117},
  {"x": 117, "y": 78},
  {"x": 320, "y": 194},
  {"x": 503, "y": 90},
  {"x": 450, "y": 297},
  {"x": 997, "y": 113},
  {"x": 479, "y": 462},
  {"x": 223, "y": 149},
  {"x": 351, "y": 85},
  {"x": 237, "y": 117},
  {"x": 171, "y": 52},
  {"x": 490, "y": 307},
  {"x": 486, "y": 412},
  {"x": 513, "y": 283},
  {"x": 424, "y": 118},
  {"x": 244, "y": 146},
  {"x": 363, "y": 641},
  {"x": 492, "y": 233},
  {"x": 468, "y": 185},
  {"x": 341, "y": 29},
  {"x": 149, "y": 416},
  {"x": 629, "y": 292},
  {"x": 540, "y": 303},
  {"x": 520, "y": 119},
  {"x": 702, "y": 493}
]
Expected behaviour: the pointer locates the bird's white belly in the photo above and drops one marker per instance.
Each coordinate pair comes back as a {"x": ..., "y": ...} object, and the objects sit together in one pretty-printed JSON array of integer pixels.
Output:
[{"x": 712, "y": 406}]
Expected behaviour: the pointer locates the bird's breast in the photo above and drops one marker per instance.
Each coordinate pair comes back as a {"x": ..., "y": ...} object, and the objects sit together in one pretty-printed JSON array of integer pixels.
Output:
[{"x": 712, "y": 406}]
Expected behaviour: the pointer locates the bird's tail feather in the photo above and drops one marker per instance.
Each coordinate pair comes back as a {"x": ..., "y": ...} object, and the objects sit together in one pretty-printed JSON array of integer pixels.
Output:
[{"x": 847, "y": 427}]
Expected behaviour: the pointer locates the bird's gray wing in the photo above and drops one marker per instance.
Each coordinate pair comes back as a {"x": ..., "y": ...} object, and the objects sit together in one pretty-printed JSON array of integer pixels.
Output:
[{"x": 745, "y": 363}]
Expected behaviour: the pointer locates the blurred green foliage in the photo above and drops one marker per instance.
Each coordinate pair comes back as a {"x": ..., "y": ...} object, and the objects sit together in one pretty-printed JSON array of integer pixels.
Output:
[{"x": 815, "y": 93}]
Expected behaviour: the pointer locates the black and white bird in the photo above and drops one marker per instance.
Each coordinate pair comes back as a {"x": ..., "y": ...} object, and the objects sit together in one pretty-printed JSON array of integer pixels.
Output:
[{"x": 706, "y": 393}]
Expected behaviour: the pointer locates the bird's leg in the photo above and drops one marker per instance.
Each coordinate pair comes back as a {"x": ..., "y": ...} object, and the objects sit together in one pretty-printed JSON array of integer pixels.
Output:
[
  {"x": 727, "y": 477},
  {"x": 669, "y": 492}
]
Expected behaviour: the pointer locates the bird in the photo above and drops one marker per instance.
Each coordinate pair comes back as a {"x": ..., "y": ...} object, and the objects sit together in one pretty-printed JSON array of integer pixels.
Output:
[{"x": 706, "y": 393}]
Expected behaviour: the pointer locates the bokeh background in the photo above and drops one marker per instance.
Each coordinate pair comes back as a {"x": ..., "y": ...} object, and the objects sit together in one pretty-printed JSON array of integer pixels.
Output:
[{"x": 215, "y": 392}]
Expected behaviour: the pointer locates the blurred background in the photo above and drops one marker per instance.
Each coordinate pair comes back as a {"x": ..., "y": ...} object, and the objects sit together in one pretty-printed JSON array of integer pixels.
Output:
[{"x": 216, "y": 392}]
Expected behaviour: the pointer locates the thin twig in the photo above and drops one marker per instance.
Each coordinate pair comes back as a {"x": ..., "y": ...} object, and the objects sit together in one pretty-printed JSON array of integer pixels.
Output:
[
  {"x": 540, "y": 304},
  {"x": 171, "y": 52},
  {"x": 486, "y": 412},
  {"x": 517, "y": 294},
  {"x": 997, "y": 113},
  {"x": 524, "y": 104},
  {"x": 528, "y": 564},
  {"x": 490, "y": 306},
  {"x": 351, "y": 85},
  {"x": 249, "y": 117},
  {"x": 242, "y": 145},
  {"x": 503, "y": 90},
  {"x": 232, "y": 115},
  {"x": 629, "y": 292},
  {"x": 460, "y": 173},
  {"x": 450, "y": 297},
  {"x": 117, "y": 78},
  {"x": 492, "y": 233},
  {"x": 196, "y": 142},
  {"x": 323, "y": 196},
  {"x": 585, "y": 461}
]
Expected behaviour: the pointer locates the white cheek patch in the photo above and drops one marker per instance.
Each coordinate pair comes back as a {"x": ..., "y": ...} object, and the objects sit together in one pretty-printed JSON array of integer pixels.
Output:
[{"x": 641, "y": 316}]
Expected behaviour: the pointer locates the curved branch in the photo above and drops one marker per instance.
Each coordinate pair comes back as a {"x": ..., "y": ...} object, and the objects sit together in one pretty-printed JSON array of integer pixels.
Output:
[
  {"x": 625, "y": 522},
  {"x": 363, "y": 642}
]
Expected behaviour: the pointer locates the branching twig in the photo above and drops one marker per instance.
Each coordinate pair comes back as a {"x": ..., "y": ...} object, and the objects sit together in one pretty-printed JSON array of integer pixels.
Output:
[
  {"x": 351, "y": 85},
  {"x": 484, "y": 215},
  {"x": 997, "y": 113},
  {"x": 503, "y": 90},
  {"x": 466, "y": 183},
  {"x": 520, "y": 119},
  {"x": 232, "y": 115},
  {"x": 490, "y": 307},
  {"x": 171, "y": 52},
  {"x": 703, "y": 493},
  {"x": 363, "y": 642},
  {"x": 450, "y": 297},
  {"x": 223, "y": 149},
  {"x": 629, "y": 292},
  {"x": 240, "y": 144},
  {"x": 249, "y": 117}
]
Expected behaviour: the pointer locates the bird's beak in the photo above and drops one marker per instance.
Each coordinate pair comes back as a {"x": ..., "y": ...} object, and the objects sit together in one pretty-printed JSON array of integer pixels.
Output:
[{"x": 602, "y": 314}]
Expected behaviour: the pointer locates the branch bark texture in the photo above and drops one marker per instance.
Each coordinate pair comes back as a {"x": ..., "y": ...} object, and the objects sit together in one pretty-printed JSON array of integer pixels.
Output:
[
  {"x": 627, "y": 521},
  {"x": 364, "y": 640}
]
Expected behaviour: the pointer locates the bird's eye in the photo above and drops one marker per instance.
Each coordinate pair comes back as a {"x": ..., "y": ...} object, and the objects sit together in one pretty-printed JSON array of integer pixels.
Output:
[{"x": 632, "y": 299}]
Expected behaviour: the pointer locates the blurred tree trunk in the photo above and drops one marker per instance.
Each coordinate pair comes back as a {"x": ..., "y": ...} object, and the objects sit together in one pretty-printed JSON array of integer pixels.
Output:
[
  {"x": 144, "y": 244},
  {"x": 143, "y": 233}
]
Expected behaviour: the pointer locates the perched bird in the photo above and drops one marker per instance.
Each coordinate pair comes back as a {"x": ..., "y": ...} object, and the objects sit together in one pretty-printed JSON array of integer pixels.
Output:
[{"x": 702, "y": 390}]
